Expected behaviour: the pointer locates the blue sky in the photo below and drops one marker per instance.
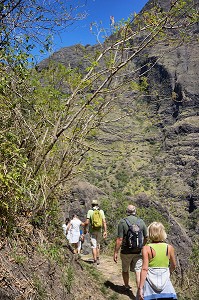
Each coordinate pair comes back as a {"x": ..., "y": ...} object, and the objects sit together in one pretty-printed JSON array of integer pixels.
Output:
[{"x": 99, "y": 12}]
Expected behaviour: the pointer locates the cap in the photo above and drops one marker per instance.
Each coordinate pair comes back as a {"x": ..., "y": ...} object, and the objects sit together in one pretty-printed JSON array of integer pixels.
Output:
[
  {"x": 131, "y": 209},
  {"x": 95, "y": 202}
]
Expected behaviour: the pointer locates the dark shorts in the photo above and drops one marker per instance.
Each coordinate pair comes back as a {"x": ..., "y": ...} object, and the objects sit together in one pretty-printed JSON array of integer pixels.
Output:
[{"x": 132, "y": 262}]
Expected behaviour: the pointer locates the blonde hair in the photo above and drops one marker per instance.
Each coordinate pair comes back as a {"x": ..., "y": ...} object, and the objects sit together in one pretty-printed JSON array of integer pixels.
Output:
[{"x": 156, "y": 232}]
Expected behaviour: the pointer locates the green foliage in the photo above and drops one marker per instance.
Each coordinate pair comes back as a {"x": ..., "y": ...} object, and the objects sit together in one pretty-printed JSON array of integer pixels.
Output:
[
  {"x": 27, "y": 24},
  {"x": 68, "y": 277},
  {"x": 12, "y": 168},
  {"x": 104, "y": 290},
  {"x": 189, "y": 280},
  {"x": 115, "y": 210},
  {"x": 193, "y": 219},
  {"x": 140, "y": 184},
  {"x": 143, "y": 83},
  {"x": 53, "y": 252},
  {"x": 123, "y": 178},
  {"x": 195, "y": 256},
  {"x": 41, "y": 293},
  {"x": 18, "y": 257},
  {"x": 151, "y": 214},
  {"x": 92, "y": 271}
]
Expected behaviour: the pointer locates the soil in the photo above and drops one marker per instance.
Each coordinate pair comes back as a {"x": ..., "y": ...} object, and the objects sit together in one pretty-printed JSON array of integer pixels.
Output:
[{"x": 112, "y": 276}]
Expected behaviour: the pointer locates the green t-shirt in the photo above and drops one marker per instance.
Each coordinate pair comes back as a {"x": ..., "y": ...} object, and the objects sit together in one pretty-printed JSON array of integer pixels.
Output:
[
  {"x": 89, "y": 216},
  {"x": 123, "y": 228}
]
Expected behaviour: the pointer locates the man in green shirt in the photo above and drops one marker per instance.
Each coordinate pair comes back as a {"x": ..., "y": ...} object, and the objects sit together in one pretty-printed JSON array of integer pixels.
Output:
[
  {"x": 95, "y": 233},
  {"x": 130, "y": 260}
]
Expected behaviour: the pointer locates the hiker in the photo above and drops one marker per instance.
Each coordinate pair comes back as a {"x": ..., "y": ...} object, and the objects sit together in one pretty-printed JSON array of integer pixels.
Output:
[
  {"x": 130, "y": 255},
  {"x": 66, "y": 227},
  {"x": 158, "y": 263},
  {"x": 74, "y": 232},
  {"x": 97, "y": 223}
]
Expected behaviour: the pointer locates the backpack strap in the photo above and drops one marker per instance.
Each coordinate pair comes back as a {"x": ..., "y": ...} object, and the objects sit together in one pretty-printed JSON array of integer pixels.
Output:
[
  {"x": 129, "y": 223},
  {"x": 151, "y": 251},
  {"x": 167, "y": 250},
  {"x": 138, "y": 221}
]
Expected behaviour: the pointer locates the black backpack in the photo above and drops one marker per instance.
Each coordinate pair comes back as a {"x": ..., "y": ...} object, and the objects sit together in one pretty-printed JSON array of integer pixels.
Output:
[{"x": 134, "y": 237}]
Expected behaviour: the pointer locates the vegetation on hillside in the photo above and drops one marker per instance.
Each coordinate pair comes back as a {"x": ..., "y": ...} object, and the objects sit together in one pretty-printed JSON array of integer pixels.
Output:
[{"x": 51, "y": 119}]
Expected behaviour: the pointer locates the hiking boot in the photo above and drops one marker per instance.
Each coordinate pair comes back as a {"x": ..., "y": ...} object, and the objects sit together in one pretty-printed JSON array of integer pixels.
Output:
[{"x": 98, "y": 261}]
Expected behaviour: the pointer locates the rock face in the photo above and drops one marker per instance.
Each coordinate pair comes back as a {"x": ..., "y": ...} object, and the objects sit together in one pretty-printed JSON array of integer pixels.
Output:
[
  {"x": 173, "y": 105},
  {"x": 78, "y": 201},
  {"x": 73, "y": 57},
  {"x": 161, "y": 139},
  {"x": 175, "y": 80}
]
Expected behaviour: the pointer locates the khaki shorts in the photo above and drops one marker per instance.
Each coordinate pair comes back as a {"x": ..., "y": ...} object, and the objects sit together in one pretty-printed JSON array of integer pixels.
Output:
[
  {"x": 95, "y": 239},
  {"x": 132, "y": 261}
]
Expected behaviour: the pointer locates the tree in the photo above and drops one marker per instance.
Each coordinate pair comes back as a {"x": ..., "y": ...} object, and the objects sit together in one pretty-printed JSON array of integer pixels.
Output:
[
  {"x": 27, "y": 23},
  {"x": 51, "y": 118}
]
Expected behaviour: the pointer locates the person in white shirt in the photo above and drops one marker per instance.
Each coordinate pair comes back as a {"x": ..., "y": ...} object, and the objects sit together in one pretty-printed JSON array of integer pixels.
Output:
[{"x": 72, "y": 231}]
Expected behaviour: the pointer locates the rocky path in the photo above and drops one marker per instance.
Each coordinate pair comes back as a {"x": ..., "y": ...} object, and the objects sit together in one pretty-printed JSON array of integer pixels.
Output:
[{"x": 113, "y": 277}]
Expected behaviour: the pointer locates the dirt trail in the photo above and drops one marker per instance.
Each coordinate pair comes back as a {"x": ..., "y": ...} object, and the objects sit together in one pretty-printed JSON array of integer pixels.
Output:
[{"x": 113, "y": 276}]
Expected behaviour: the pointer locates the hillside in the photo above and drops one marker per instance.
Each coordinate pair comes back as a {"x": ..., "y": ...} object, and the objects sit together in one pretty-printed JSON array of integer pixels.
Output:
[{"x": 142, "y": 148}]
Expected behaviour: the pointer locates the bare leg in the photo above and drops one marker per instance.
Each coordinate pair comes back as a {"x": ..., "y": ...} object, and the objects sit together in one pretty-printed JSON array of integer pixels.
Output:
[
  {"x": 79, "y": 247},
  {"x": 98, "y": 251},
  {"x": 125, "y": 276},
  {"x": 75, "y": 248},
  {"x": 94, "y": 250},
  {"x": 98, "y": 254}
]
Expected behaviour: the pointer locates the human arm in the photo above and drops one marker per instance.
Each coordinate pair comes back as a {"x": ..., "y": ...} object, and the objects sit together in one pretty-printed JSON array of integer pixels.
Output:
[
  {"x": 68, "y": 227},
  {"x": 105, "y": 229},
  {"x": 86, "y": 223},
  {"x": 64, "y": 226},
  {"x": 172, "y": 260},
  {"x": 119, "y": 240},
  {"x": 81, "y": 229},
  {"x": 145, "y": 257},
  {"x": 145, "y": 241},
  {"x": 118, "y": 244}
]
